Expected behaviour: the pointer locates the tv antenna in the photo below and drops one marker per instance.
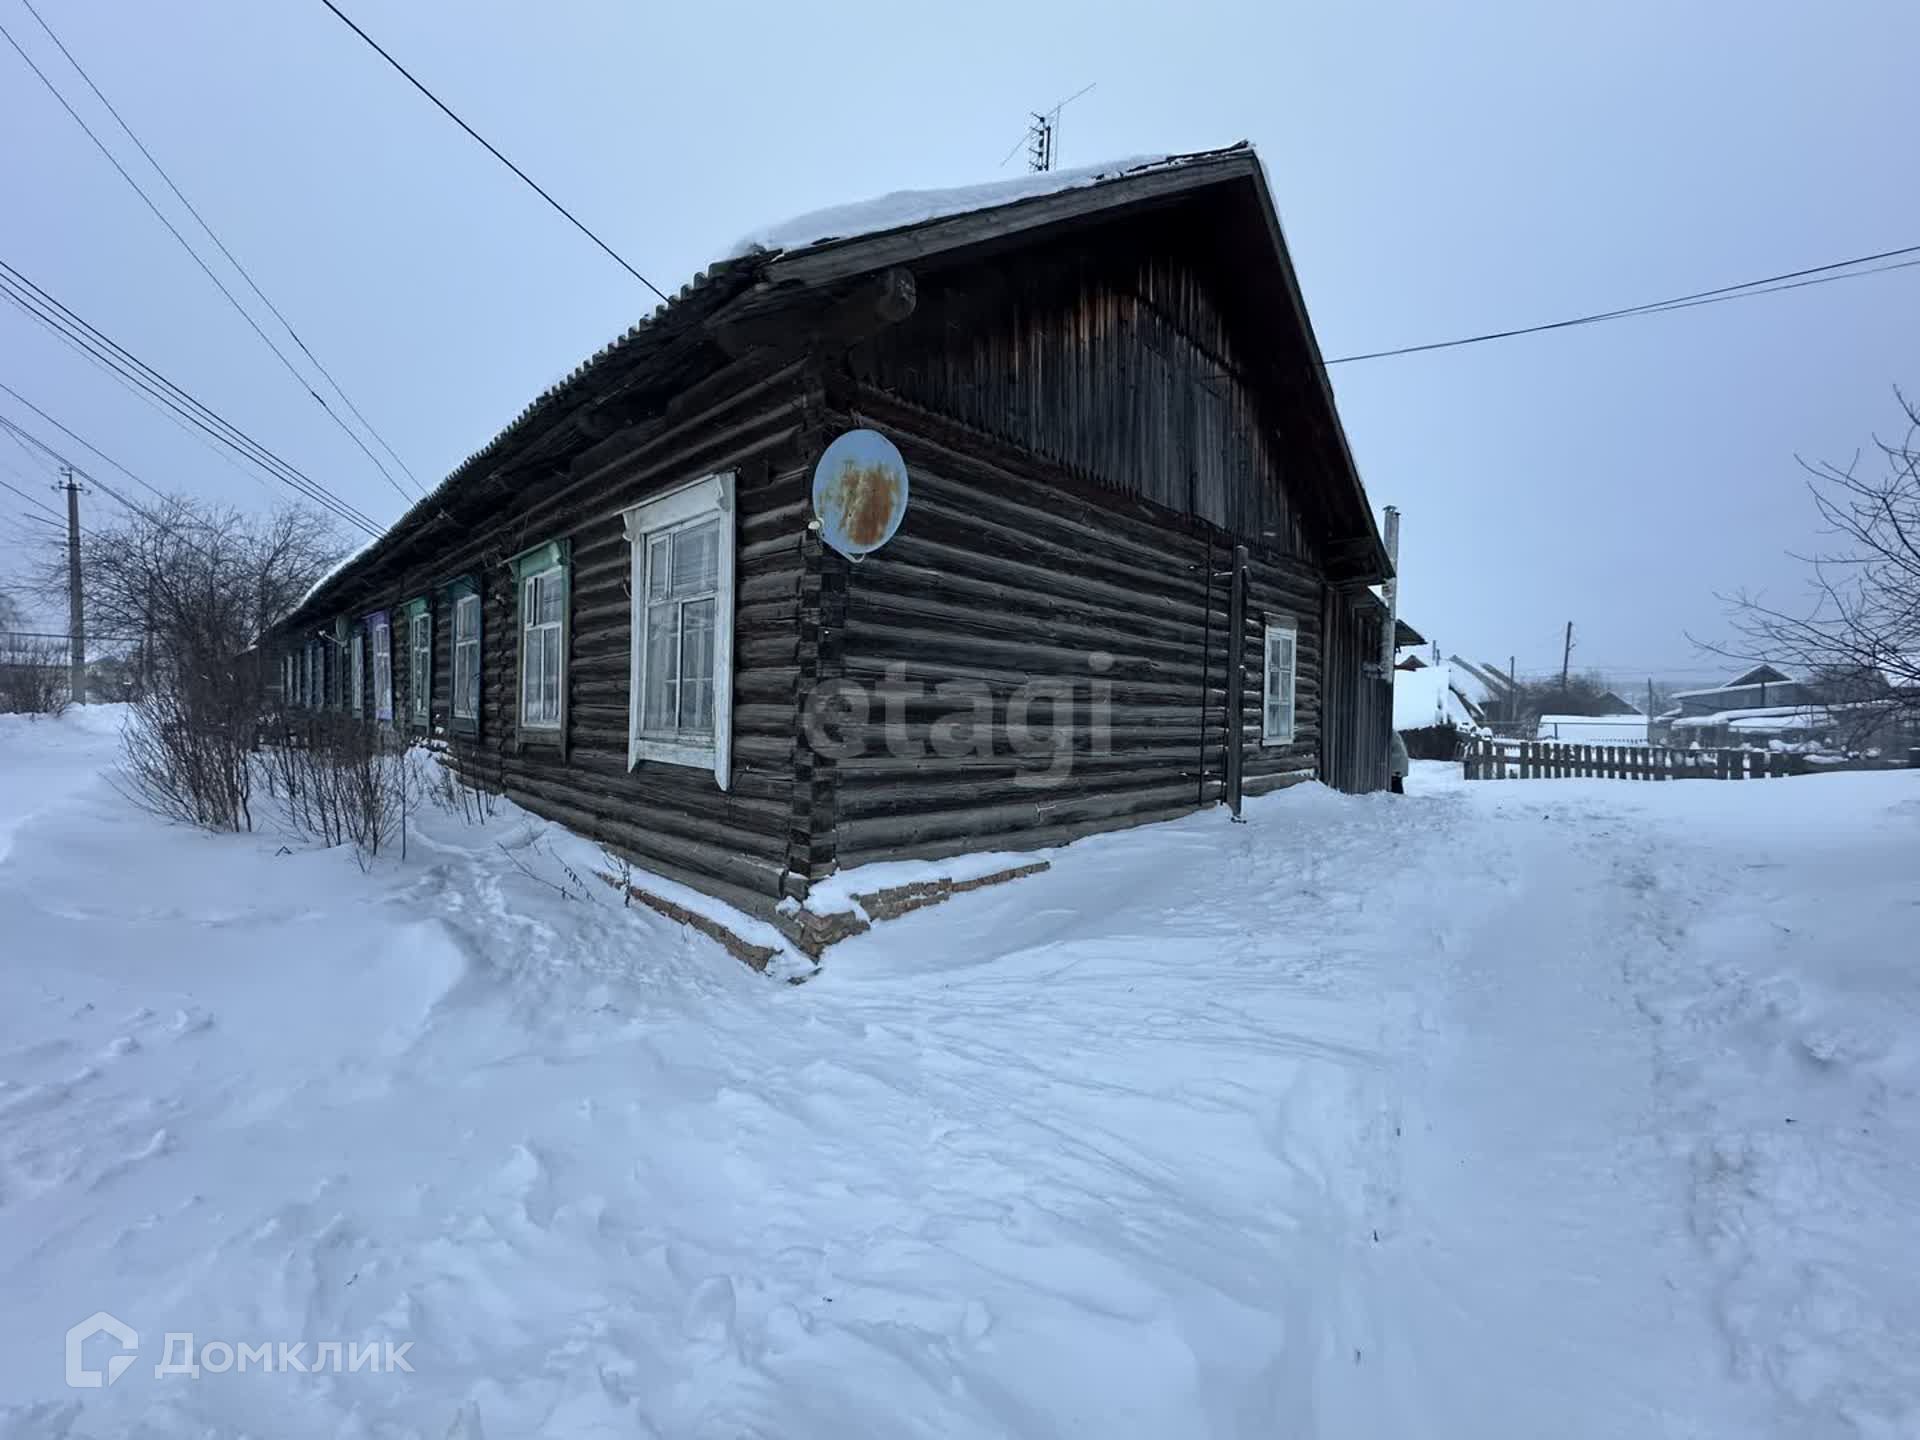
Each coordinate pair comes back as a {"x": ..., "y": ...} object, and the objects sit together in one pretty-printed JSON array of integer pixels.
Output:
[{"x": 1042, "y": 136}]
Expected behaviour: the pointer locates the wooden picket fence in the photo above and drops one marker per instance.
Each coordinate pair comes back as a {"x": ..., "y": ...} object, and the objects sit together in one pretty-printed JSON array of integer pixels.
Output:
[{"x": 1492, "y": 759}]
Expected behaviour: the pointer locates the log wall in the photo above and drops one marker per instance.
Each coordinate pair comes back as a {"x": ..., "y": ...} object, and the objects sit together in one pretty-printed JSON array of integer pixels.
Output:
[
  {"x": 1011, "y": 579},
  {"x": 671, "y": 819}
]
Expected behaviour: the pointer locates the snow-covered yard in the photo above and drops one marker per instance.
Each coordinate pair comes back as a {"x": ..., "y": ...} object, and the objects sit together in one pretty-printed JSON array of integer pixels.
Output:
[{"x": 1570, "y": 1109}]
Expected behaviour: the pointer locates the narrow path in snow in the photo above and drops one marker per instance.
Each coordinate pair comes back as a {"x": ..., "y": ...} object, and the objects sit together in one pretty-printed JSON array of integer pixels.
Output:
[{"x": 1547, "y": 1240}]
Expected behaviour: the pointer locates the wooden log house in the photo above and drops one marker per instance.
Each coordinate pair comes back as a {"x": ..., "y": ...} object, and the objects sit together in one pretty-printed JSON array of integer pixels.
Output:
[{"x": 1113, "y": 413}]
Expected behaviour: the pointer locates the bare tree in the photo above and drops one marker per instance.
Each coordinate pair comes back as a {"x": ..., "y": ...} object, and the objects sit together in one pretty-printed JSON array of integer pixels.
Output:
[
  {"x": 1860, "y": 635},
  {"x": 34, "y": 679},
  {"x": 201, "y": 586}
]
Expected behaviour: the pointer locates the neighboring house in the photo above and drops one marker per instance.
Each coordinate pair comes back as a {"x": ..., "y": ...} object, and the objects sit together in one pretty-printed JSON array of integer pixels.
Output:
[
  {"x": 1487, "y": 686},
  {"x": 1629, "y": 727},
  {"x": 1101, "y": 383},
  {"x": 1429, "y": 695},
  {"x": 1761, "y": 706},
  {"x": 1762, "y": 687}
]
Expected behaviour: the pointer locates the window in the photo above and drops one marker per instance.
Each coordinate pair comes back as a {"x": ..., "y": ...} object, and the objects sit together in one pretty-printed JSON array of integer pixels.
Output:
[
  {"x": 466, "y": 658},
  {"x": 420, "y": 663},
  {"x": 1276, "y": 711},
  {"x": 381, "y": 635},
  {"x": 356, "y": 671},
  {"x": 681, "y": 706},
  {"x": 541, "y": 575}
]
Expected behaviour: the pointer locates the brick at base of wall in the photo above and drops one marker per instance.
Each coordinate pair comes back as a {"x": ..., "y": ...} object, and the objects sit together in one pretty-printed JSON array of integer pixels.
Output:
[{"x": 812, "y": 932}]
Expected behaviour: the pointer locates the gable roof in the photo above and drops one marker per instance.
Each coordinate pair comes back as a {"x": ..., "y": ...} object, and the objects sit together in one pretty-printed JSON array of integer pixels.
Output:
[
  {"x": 832, "y": 247},
  {"x": 1759, "y": 675}
]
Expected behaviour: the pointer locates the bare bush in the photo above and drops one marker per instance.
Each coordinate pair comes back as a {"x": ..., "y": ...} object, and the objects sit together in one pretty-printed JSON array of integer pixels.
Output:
[
  {"x": 461, "y": 786},
  {"x": 343, "y": 781},
  {"x": 189, "y": 758},
  {"x": 202, "y": 586},
  {"x": 33, "y": 676}
]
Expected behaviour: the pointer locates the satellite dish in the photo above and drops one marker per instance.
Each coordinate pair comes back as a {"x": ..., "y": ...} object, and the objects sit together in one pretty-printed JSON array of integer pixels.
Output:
[{"x": 859, "y": 492}]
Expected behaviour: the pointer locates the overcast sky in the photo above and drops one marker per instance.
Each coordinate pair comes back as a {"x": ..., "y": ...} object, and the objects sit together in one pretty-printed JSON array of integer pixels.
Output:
[{"x": 1440, "y": 170}]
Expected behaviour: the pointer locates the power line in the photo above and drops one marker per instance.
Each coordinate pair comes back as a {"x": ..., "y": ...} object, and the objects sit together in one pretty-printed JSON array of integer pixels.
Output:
[
  {"x": 22, "y": 434},
  {"x": 187, "y": 245},
  {"x": 179, "y": 405},
  {"x": 42, "y": 306},
  {"x": 232, "y": 259},
  {"x": 81, "y": 440},
  {"x": 31, "y": 500},
  {"x": 530, "y": 181},
  {"x": 1740, "y": 291}
]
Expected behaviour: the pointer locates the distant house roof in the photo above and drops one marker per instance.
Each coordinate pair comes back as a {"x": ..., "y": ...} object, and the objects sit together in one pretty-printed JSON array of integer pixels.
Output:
[
  {"x": 1483, "y": 684},
  {"x": 1761, "y": 717},
  {"x": 1617, "y": 706},
  {"x": 1759, "y": 675},
  {"x": 1405, "y": 634}
]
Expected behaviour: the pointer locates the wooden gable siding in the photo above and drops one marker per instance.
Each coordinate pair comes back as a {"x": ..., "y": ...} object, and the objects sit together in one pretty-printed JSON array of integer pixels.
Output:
[
  {"x": 671, "y": 819},
  {"x": 1005, "y": 571},
  {"x": 1120, "y": 369}
]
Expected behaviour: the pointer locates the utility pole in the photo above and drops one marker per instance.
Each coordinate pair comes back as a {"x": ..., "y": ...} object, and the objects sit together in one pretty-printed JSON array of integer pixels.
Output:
[
  {"x": 1513, "y": 695},
  {"x": 1566, "y": 659},
  {"x": 76, "y": 612},
  {"x": 1649, "y": 709}
]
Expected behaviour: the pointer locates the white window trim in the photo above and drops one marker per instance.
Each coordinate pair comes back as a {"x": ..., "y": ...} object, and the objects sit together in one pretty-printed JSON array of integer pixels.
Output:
[
  {"x": 710, "y": 495},
  {"x": 419, "y": 696},
  {"x": 356, "y": 672},
  {"x": 1269, "y": 736},
  {"x": 382, "y": 702},
  {"x": 559, "y": 627},
  {"x": 460, "y": 709}
]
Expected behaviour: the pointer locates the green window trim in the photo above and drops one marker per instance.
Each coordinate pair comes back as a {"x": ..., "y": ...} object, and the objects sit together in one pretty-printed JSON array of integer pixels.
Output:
[
  {"x": 466, "y": 655},
  {"x": 542, "y": 643},
  {"x": 541, "y": 557}
]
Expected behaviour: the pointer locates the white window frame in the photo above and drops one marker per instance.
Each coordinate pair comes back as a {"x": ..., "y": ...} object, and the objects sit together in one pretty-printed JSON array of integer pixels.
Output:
[
  {"x": 419, "y": 685},
  {"x": 471, "y": 640},
  {"x": 380, "y": 638},
  {"x": 708, "y": 497},
  {"x": 529, "y": 627},
  {"x": 356, "y": 671},
  {"x": 1289, "y": 630}
]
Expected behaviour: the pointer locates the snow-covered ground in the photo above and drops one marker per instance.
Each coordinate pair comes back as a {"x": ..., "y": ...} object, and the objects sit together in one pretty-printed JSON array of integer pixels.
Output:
[{"x": 1576, "y": 1108}]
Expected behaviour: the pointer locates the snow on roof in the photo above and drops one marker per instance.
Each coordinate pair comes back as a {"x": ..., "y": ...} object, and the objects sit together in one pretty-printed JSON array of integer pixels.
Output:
[
  {"x": 1768, "y": 716},
  {"x": 1426, "y": 697},
  {"x": 1759, "y": 675},
  {"x": 1588, "y": 729},
  {"x": 916, "y": 207}
]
